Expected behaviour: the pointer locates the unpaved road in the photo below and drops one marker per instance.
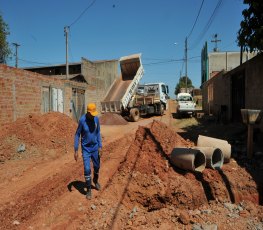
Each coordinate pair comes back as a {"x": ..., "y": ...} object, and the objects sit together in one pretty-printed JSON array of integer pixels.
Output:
[{"x": 43, "y": 187}]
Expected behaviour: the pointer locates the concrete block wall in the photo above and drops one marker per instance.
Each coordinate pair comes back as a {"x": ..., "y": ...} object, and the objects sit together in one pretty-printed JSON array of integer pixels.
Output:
[{"x": 99, "y": 75}]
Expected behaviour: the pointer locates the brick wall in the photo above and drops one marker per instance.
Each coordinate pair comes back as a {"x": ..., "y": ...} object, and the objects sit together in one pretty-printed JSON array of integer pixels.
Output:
[
  {"x": 217, "y": 91},
  {"x": 21, "y": 92}
]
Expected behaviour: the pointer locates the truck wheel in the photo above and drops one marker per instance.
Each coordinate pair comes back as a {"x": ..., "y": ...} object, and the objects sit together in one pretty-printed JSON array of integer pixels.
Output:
[
  {"x": 161, "y": 109},
  {"x": 134, "y": 114}
]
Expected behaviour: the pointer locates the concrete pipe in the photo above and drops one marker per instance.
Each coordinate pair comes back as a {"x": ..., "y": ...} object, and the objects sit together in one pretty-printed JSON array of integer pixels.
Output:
[
  {"x": 214, "y": 156},
  {"x": 190, "y": 159},
  {"x": 204, "y": 141}
]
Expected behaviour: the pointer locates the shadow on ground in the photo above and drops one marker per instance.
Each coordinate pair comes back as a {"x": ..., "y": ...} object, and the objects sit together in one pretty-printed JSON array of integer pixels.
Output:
[{"x": 236, "y": 135}]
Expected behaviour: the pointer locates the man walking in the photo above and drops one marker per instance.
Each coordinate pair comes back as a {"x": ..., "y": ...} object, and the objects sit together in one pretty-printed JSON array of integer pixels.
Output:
[{"x": 89, "y": 129}]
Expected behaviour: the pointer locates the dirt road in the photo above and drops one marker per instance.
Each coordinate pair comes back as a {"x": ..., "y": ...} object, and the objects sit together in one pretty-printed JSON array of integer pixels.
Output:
[{"x": 43, "y": 187}]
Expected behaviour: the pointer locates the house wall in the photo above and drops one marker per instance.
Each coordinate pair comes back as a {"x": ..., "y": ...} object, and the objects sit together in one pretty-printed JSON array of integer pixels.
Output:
[
  {"x": 217, "y": 91},
  {"x": 254, "y": 83},
  {"x": 21, "y": 92},
  {"x": 99, "y": 75},
  {"x": 227, "y": 61}
]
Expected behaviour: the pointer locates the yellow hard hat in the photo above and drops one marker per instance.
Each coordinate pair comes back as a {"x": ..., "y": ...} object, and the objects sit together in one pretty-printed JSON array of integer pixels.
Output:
[{"x": 91, "y": 108}]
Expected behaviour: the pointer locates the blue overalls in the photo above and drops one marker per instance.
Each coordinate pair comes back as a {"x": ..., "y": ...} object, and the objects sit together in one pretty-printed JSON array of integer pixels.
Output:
[{"x": 90, "y": 144}]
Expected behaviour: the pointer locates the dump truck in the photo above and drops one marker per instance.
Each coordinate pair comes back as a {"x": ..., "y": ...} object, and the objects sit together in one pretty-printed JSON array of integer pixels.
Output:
[{"x": 122, "y": 97}]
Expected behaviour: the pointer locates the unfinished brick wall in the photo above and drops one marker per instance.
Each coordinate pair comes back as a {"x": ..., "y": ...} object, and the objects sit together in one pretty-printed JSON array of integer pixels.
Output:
[{"x": 21, "y": 92}]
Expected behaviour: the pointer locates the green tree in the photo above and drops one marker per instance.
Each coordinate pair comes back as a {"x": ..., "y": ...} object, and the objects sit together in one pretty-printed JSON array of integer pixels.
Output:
[
  {"x": 182, "y": 84},
  {"x": 250, "y": 34},
  {"x": 4, "y": 46}
]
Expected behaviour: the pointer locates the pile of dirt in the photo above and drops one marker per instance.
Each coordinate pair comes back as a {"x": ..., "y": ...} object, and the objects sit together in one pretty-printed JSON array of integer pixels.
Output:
[
  {"x": 142, "y": 191},
  {"x": 50, "y": 131},
  {"x": 112, "y": 119},
  {"x": 148, "y": 193}
]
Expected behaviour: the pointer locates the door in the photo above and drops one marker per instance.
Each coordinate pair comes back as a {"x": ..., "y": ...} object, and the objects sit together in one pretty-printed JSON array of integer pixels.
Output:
[
  {"x": 238, "y": 96},
  {"x": 57, "y": 100}
]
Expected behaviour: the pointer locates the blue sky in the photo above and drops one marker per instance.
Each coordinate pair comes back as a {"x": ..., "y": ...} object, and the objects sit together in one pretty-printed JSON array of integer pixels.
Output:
[{"x": 109, "y": 29}]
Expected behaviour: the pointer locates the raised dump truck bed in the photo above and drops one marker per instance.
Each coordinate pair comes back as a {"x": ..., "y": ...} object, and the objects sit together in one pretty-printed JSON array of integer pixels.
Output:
[{"x": 122, "y": 90}]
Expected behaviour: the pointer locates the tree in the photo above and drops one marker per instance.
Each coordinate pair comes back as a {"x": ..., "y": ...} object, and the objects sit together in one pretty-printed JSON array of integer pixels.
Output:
[
  {"x": 250, "y": 35},
  {"x": 4, "y": 46},
  {"x": 182, "y": 84}
]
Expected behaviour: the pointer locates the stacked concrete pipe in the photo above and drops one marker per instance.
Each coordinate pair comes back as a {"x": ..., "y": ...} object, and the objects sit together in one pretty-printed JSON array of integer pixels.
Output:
[
  {"x": 214, "y": 156},
  {"x": 204, "y": 141},
  {"x": 188, "y": 158}
]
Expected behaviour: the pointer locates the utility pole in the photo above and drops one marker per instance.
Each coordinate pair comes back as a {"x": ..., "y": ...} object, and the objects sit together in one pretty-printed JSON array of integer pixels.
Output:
[
  {"x": 186, "y": 64},
  {"x": 66, "y": 28},
  {"x": 216, "y": 41},
  {"x": 16, "y": 45}
]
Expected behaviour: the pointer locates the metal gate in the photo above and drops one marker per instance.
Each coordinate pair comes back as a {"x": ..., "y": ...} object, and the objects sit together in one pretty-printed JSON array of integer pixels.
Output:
[
  {"x": 238, "y": 96},
  {"x": 52, "y": 100},
  {"x": 78, "y": 103},
  {"x": 57, "y": 100}
]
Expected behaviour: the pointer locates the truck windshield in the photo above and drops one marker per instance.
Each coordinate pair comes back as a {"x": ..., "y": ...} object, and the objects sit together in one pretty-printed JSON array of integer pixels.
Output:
[{"x": 185, "y": 98}]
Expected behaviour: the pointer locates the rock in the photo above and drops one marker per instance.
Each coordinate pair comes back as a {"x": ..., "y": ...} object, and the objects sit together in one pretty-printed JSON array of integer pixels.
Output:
[
  {"x": 232, "y": 215},
  {"x": 196, "y": 227},
  {"x": 21, "y": 148},
  {"x": 93, "y": 207},
  {"x": 16, "y": 222},
  {"x": 184, "y": 218},
  {"x": 208, "y": 211},
  {"x": 209, "y": 226},
  {"x": 230, "y": 207}
]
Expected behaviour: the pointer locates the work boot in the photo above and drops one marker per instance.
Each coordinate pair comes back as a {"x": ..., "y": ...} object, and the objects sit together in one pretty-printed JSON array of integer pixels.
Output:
[
  {"x": 88, "y": 195},
  {"x": 95, "y": 181},
  {"x": 97, "y": 186}
]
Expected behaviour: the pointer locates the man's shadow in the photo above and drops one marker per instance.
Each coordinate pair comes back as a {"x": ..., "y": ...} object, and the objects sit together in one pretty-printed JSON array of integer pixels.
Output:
[{"x": 79, "y": 185}]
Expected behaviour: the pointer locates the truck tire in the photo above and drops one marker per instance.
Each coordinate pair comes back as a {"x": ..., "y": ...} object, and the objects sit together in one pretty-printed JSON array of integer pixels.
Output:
[
  {"x": 161, "y": 109},
  {"x": 134, "y": 114}
]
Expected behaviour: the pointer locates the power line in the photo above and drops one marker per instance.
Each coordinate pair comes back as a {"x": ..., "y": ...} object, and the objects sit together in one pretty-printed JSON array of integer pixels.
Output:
[
  {"x": 196, "y": 19},
  {"x": 170, "y": 61},
  {"x": 164, "y": 62},
  {"x": 83, "y": 12},
  {"x": 208, "y": 24},
  {"x": 34, "y": 62}
]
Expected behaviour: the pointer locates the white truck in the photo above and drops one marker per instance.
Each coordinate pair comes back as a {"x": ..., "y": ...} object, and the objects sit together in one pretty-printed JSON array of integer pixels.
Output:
[
  {"x": 122, "y": 96},
  {"x": 186, "y": 104}
]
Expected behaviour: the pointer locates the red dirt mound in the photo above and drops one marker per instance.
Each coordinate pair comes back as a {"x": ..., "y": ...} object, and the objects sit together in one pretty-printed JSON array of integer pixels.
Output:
[
  {"x": 52, "y": 130},
  {"x": 147, "y": 193},
  {"x": 112, "y": 119}
]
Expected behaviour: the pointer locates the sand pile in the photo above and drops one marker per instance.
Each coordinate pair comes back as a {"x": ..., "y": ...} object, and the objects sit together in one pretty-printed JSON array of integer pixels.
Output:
[
  {"x": 52, "y": 130},
  {"x": 112, "y": 119}
]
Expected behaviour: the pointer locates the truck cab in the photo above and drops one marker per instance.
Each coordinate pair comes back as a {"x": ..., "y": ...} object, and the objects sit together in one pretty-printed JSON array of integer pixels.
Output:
[{"x": 186, "y": 104}]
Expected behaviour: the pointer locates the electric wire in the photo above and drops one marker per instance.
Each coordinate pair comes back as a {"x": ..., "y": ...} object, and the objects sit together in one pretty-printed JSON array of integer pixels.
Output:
[
  {"x": 196, "y": 19},
  {"x": 34, "y": 62},
  {"x": 83, "y": 12},
  {"x": 171, "y": 61},
  {"x": 208, "y": 24}
]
